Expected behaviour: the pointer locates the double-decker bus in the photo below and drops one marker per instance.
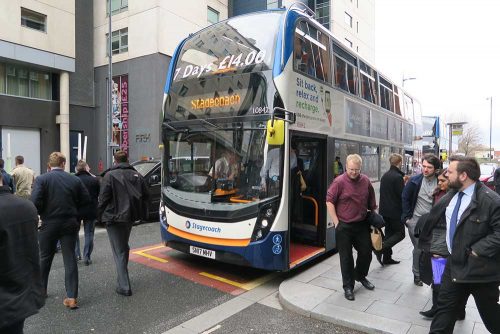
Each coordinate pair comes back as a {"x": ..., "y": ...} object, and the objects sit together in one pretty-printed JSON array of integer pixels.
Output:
[{"x": 248, "y": 103}]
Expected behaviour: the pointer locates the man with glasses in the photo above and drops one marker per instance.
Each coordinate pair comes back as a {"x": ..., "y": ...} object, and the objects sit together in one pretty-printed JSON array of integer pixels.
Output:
[
  {"x": 417, "y": 201},
  {"x": 348, "y": 200}
]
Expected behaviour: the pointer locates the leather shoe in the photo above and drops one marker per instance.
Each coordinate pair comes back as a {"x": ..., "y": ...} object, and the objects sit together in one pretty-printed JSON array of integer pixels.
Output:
[
  {"x": 348, "y": 294},
  {"x": 87, "y": 262},
  {"x": 367, "y": 284},
  {"x": 122, "y": 292},
  {"x": 390, "y": 261},
  {"x": 71, "y": 303},
  {"x": 378, "y": 255},
  {"x": 429, "y": 313}
]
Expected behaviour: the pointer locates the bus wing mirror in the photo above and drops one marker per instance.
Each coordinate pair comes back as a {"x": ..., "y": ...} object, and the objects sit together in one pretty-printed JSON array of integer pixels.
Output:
[{"x": 275, "y": 132}]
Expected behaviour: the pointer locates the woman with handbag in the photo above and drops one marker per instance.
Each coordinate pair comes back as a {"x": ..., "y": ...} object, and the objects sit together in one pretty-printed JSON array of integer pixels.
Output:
[{"x": 434, "y": 249}]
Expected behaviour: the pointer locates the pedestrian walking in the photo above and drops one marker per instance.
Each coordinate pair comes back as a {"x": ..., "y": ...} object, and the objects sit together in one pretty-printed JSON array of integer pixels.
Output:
[
  {"x": 391, "y": 208},
  {"x": 88, "y": 213},
  {"x": 472, "y": 215},
  {"x": 21, "y": 291},
  {"x": 7, "y": 178},
  {"x": 417, "y": 201},
  {"x": 348, "y": 200},
  {"x": 496, "y": 180},
  {"x": 122, "y": 200},
  {"x": 57, "y": 196},
  {"x": 432, "y": 242},
  {"x": 23, "y": 178}
]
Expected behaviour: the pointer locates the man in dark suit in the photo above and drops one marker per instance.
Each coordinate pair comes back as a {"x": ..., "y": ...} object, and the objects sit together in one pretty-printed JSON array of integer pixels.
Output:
[
  {"x": 57, "y": 195},
  {"x": 472, "y": 214},
  {"x": 391, "y": 207},
  {"x": 21, "y": 292},
  {"x": 122, "y": 200}
]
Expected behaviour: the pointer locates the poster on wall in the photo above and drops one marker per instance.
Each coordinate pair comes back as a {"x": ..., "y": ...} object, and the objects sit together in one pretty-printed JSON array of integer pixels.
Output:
[{"x": 119, "y": 120}]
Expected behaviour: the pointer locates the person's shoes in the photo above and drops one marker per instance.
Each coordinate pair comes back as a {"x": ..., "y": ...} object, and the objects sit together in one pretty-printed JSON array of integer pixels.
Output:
[
  {"x": 429, "y": 313},
  {"x": 70, "y": 303},
  {"x": 87, "y": 262},
  {"x": 417, "y": 281},
  {"x": 348, "y": 294},
  {"x": 461, "y": 315},
  {"x": 367, "y": 284},
  {"x": 378, "y": 255},
  {"x": 122, "y": 292},
  {"x": 78, "y": 258},
  {"x": 390, "y": 261}
]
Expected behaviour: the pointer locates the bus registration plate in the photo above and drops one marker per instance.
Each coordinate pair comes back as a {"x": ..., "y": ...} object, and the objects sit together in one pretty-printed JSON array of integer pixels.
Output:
[{"x": 202, "y": 252}]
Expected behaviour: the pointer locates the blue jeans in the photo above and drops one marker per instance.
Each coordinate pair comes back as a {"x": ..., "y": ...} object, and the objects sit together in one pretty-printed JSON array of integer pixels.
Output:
[{"x": 88, "y": 227}]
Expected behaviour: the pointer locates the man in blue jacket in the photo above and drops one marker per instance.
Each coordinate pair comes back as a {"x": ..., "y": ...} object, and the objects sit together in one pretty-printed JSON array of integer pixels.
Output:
[
  {"x": 57, "y": 195},
  {"x": 472, "y": 214},
  {"x": 7, "y": 178},
  {"x": 417, "y": 201}
]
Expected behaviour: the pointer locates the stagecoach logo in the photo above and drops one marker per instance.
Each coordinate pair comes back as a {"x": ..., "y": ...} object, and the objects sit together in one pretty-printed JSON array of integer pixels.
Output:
[{"x": 202, "y": 228}]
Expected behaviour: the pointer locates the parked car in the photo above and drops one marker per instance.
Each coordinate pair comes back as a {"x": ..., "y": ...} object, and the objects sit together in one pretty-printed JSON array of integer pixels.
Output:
[
  {"x": 487, "y": 173},
  {"x": 151, "y": 171}
]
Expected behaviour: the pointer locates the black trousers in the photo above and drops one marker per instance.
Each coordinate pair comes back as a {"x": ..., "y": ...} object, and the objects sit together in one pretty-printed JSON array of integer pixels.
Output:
[
  {"x": 119, "y": 234},
  {"x": 394, "y": 233},
  {"x": 15, "y": 328},
  {"x": 452, "y": 298},
  {"x": 357, "y": 235},
  {"x": 67, "y": 232}
]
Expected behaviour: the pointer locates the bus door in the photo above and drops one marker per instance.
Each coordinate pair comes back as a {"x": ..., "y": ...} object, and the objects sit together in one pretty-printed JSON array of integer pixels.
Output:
[{"x": 307, "y": 208}]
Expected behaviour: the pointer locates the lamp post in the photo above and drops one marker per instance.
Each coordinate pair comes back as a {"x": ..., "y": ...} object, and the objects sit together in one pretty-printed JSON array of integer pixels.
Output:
[
  {"x": 491, "y": 121},
  {"x": 406, "y": 79}
]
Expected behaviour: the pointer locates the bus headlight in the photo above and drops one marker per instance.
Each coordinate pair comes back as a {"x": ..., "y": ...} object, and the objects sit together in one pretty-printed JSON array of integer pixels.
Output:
[{"x": 265, "y": 220}]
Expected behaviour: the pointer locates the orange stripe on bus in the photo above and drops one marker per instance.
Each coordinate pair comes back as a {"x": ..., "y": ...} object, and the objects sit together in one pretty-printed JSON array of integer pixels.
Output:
[{"x": 209, "y": 240}]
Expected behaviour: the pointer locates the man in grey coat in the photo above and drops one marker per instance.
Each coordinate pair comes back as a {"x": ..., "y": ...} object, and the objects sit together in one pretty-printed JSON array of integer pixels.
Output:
[{"x": 122, "y": 200}]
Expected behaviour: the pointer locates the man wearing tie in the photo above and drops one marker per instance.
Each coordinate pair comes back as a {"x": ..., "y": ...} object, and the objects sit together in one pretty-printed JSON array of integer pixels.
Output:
[{"x": 472, "y": 214}]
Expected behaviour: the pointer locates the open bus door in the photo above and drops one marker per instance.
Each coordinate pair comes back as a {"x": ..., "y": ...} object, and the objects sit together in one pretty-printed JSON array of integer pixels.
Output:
[{"x": 307, "y": 208}]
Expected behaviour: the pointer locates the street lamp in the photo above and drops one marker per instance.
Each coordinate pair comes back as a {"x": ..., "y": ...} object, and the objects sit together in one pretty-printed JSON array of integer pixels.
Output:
[
  {"x": 491, "y": 121},
  {"x": 406, "y": 79}
]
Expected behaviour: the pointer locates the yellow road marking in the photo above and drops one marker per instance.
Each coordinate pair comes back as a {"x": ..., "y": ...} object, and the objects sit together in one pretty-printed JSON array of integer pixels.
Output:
[
  {"x": 245, "y": 286},
  {"x": 149, "y": 256}
]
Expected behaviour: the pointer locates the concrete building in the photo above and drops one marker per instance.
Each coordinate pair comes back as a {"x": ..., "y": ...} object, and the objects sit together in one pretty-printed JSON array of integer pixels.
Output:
[
  {"x": 144, "y": 37},
  {"x": 351, "y": 21},
  {"x": 45, "y": 100}
]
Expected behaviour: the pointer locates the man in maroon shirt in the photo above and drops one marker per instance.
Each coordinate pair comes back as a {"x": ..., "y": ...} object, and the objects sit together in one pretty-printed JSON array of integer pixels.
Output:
[{"x": 348, "y": 200}]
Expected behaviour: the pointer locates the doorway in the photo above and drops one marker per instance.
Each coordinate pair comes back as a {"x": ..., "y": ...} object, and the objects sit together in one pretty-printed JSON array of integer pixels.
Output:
[{"x": 307, "y": 208}]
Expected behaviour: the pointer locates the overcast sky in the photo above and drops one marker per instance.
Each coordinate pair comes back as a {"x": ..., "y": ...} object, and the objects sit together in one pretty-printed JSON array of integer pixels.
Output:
[{"x": 452, "y": 48}]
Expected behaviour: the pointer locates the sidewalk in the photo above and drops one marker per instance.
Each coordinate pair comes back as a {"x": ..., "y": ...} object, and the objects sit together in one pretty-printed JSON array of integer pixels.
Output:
[{"x": 391, "y": 308}]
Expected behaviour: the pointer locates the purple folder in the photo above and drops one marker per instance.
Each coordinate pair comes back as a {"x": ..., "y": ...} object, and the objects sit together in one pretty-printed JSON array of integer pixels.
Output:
[{"x": 438, "y": 264}]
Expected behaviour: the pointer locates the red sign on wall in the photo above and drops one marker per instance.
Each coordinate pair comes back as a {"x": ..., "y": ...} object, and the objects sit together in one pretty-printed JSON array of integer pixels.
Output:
[{"x": 120, "y": 112}]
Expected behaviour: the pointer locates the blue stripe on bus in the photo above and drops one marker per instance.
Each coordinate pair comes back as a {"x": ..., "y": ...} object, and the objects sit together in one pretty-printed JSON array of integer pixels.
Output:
[
  {"x": 171, "y": 68},
  {"x": 287, "y": 39},
  {"x": 259, "y": 254}
]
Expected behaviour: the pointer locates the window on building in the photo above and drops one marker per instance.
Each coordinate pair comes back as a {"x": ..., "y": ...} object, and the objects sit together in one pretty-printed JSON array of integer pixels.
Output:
[
  {"x": 348, "y": 19},
  {"x": 117, "y": 6},
  {"x": 311, "y": 52},
  {"x": 322, "y": 10},
  {"x": 33, "y": 20},
  {"x": 212, "y": 15},
  {"x": 22, "y": 81},
  {"x": 119, "y": 41}
]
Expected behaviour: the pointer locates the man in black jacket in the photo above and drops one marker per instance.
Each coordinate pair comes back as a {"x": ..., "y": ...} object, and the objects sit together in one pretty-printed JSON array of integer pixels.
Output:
[
  {"x": 496, "y": 180},
  {"x": 88, "y": 213},
  {"x": 57, "y": 195},
  {"x": 122, "y": 200},
  {"x": 472, "y": 213},
  {"x": 391, "y": 207},
  {"x": 21, "y": 292}
]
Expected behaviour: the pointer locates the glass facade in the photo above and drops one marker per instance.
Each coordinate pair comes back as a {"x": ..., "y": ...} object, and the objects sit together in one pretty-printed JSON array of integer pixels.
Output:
[{"x": 22, "y": 81}]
